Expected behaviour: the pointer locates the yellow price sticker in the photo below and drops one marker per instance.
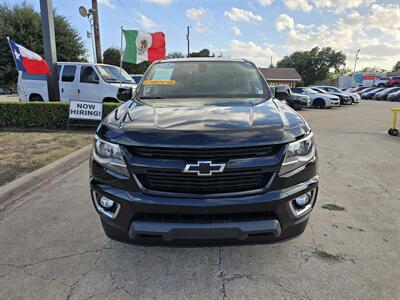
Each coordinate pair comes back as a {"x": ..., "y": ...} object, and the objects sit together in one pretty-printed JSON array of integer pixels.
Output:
[
  {"x": 103, "y": 72},
  {"x": 163, "y": 82}
]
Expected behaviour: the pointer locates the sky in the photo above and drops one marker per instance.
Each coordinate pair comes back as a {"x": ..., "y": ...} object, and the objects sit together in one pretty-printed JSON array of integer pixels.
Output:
[{"x": 254, "y": 29}]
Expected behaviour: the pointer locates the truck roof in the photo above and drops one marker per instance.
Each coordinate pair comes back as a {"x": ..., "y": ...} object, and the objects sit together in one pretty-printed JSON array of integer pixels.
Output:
[
  {"x": 188, "y": 59},
  {"x": 82, "y": 63}
]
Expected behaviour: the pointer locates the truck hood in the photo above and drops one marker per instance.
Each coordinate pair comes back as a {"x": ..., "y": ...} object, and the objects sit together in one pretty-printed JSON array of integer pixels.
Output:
[
  {"x": 202, "y": 122},
  {"x": 125, "y": 85}
]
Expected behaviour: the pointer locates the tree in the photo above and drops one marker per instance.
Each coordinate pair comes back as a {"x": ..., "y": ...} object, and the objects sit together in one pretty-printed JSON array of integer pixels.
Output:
[
  {"x": 396, "y": 67},
  {"x": 22, "y": 24},
  {"x": 202, "y": 53},
  {"x": 136, "y": 68},
  {"x": 372, "y": 69},
  {"x": 314, "y": 65},
  {"x": 175, "y": 55},
  {"x": 112, "y": 56}
]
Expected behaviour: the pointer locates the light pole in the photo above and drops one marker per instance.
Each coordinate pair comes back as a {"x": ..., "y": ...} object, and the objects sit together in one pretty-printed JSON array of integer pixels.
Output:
[
  {"x": 49, "y": 45},
  {"x": 188, "y": 41},
  {"x": 89, "y": 14},
  {"x": 96, "y": 29},
  {"x": 355, "y": 62}
]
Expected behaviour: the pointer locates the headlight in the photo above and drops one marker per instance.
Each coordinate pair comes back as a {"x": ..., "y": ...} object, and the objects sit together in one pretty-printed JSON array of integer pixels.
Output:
[
  {"x": 109, "y": 155},
  {"x": 298, "y": 154}
]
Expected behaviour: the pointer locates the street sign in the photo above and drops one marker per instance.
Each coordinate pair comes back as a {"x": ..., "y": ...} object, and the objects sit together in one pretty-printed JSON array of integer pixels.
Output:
[{"x": 85, "y": 110}]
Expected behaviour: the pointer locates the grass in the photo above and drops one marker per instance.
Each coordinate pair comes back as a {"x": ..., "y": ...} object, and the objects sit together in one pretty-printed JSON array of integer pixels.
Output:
[
  {"x": 331, "y": 206},
  {"x": 328, "y": 256},
  {"x": 25, "y": 151}
]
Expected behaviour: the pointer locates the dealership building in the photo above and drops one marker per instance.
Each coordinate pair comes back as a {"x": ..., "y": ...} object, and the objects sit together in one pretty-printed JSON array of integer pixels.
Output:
[{"x": 277, "y": 76}]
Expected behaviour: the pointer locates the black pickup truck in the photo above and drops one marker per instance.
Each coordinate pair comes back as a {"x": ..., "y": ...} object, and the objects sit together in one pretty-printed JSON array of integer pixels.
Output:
[{"x": 202, "y": 152}]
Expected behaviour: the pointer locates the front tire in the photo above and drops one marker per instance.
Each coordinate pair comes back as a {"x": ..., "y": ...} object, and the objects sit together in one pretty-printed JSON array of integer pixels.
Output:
[
  {"x": 35, "y": 98},
  {"x": 297, "y": 106},
  {"x": 319, "y": 103},
  {"x": 110, "y": 100},
  {"x": 393, "y": 132}
]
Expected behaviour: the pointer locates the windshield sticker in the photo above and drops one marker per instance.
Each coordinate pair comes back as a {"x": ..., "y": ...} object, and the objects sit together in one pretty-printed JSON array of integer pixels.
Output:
[
  {"x": 162, "y": 82},
  {"x": 163, "y": 74},
  {"x": 103, "y": 72}
]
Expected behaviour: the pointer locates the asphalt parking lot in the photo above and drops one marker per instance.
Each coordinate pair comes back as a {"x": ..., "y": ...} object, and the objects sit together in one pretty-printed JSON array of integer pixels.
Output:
[{"x": 52, "y": 245}]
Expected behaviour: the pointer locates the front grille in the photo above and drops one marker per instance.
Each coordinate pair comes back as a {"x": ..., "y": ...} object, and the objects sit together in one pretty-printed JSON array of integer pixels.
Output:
[
  {"x": 204, "y": 218},
  {"x": 204, "y": 153},
  {"x": 228, "y": 182}
]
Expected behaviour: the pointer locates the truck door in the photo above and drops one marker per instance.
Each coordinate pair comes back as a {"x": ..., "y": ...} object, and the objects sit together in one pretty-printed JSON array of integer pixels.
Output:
[
  {"x": 89, "y": 85},
  {"x": 68, "y": 83}
]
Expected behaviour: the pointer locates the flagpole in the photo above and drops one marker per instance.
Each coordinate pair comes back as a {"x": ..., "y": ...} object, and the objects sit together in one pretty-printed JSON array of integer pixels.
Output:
[
  {"x": 120, "y": 61},
  {"x": 12, "y": 52},
  {"x": 15, "y": 61}
]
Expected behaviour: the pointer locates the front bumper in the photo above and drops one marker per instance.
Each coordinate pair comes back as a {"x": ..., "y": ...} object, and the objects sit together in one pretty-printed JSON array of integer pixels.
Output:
[
  {"x": 144, "y": 218},
  {"x": 335, "y": 103},
  {"x": 356, "y": 98}
]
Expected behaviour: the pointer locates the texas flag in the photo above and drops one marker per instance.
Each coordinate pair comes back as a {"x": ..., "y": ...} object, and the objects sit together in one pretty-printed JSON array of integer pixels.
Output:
[{"x": 28, "y": 61}]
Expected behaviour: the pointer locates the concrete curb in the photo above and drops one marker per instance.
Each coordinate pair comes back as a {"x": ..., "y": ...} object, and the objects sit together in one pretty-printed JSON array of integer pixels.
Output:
[{"x": 29, "y": 182}]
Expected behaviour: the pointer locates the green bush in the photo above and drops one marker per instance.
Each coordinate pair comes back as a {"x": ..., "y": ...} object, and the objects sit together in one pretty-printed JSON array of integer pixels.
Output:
[{"x": 49, "y": 115}]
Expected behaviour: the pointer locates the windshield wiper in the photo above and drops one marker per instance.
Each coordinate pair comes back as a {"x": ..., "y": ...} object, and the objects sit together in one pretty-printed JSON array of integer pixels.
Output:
[{"x": 150, "y": 97}]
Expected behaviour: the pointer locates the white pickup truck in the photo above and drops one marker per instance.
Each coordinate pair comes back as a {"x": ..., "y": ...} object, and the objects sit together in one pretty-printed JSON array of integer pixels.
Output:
[{"x": 77, "y": 81}]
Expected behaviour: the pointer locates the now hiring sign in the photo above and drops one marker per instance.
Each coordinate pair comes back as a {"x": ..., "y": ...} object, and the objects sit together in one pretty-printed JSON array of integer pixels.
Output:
[{"x": 85, "y": 110}]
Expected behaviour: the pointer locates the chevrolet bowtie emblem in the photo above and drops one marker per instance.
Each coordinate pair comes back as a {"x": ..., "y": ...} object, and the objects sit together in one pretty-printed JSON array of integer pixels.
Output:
[{"x": 204, "y": 168}]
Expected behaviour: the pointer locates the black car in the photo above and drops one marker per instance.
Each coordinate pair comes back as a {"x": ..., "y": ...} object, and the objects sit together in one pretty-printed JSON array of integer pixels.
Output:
[
  {"x": 362, "y": 90},
  {"x": 382, "y": 95},
  {"x": 294, "y": 100},
  {"x": 203, "y": 153},
  {"x": 370, "y": 93}
]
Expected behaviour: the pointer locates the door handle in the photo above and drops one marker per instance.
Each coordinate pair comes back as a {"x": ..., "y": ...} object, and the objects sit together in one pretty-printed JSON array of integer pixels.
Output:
[
  {"x": 79, "y": 91},
  {"x": 62, "y": 90}
]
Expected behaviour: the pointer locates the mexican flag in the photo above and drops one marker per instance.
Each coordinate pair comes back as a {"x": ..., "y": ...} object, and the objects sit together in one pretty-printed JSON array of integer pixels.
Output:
[{"x": 142, "y": 46}]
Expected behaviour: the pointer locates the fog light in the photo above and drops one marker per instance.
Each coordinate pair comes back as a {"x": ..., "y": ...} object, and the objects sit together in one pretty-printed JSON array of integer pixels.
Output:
[
  {"x": 106, "y": 206},
  {"x": 302, "y": 200},
  {"x": 302, "y": 204},
  {"x": 106, "y": 203}
]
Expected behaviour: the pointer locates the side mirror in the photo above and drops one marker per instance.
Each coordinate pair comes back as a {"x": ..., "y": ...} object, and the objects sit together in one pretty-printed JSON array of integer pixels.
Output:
[{"x": 125, "y": 94}]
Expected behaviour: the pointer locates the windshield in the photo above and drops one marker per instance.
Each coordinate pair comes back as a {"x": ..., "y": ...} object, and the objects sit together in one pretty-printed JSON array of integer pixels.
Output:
[
  {"x": 310, "y": 91},
  {"x": 319, "y": 90},
  {"x": 203, "y": 79},
  {"x": 392, "y": 89},
  {"x": 113, "y": 74},
  {"x": 335, "y": 89}
]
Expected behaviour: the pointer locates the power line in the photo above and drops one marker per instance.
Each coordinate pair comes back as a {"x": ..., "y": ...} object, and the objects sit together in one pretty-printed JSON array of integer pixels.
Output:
[{"x": 129, "y": 14}]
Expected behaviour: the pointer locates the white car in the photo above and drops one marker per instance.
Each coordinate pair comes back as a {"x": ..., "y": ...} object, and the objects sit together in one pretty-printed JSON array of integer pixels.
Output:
[
  {"x": 318, "y": 100},
  {"x": 331, "y": 89},
  {"x": 77, "y": 81}
]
